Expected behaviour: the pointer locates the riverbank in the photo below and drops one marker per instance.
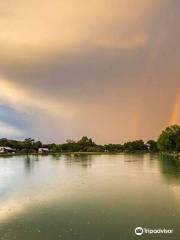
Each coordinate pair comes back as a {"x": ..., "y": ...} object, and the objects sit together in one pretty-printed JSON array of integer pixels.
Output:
[
  {"x": 173, "y": 155},
  {"x": 58, "y": 153},
  {"x": 53, "y": 153},
  {"x": 163, "y": 154},
  {"x": 71, "y": 153}
]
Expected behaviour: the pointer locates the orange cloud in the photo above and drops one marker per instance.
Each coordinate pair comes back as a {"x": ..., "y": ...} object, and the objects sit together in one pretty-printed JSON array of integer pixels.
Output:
[{"x": 33, "y": 29}]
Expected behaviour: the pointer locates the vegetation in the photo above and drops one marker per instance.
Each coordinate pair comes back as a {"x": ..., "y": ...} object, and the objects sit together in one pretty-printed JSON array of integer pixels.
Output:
[
  {"x": 85, "y": 144},
  {"x": 152, "y": 146},
  {"x": 137, "y": 145},
  {"x": 168, "y": 141}
]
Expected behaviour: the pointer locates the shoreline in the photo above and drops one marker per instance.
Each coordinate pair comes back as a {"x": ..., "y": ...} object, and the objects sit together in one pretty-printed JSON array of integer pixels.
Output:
[
  {"x": 173, "y": 155},
  {"x": 73, "y": 153}
]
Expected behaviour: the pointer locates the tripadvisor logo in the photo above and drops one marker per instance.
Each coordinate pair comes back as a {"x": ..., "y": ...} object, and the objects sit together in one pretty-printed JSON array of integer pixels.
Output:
[{"x": 140, "y": 231}]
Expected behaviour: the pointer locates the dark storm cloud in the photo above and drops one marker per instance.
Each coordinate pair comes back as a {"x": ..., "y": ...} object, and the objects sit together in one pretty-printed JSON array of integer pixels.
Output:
[{"x": 14, "y": 118}]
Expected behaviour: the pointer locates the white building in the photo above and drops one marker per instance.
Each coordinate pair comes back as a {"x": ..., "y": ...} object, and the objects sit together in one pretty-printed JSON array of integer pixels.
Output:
[
  {"x": 7, "y": 150},
  {"x": 43, "y": 150}
]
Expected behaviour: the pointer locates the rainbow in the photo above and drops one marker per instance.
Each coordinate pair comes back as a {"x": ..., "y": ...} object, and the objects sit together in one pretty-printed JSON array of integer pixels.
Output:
[{"x": 175, "y": 116}]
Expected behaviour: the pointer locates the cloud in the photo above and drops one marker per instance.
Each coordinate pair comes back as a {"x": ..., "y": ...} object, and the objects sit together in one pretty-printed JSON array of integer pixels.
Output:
[
  {"x": 23, "y": 100},
  {"x": 9, "y": 131},
  {"x": 15, "y": 118},
  {"x": 31, "y": 30},
  {"x": 108, "y": 69}
]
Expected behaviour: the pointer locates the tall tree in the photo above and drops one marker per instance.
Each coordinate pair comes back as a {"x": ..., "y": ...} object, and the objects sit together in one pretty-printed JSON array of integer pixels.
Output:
[{"x": 169, "y": 140}]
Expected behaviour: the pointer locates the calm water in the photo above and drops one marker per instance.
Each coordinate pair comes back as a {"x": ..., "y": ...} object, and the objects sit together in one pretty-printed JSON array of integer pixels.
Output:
[{"x": 88, "y": 197}]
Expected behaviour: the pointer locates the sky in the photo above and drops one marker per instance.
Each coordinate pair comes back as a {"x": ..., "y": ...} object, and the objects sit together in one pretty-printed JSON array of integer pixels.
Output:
[{"x": 108, "y": 69}]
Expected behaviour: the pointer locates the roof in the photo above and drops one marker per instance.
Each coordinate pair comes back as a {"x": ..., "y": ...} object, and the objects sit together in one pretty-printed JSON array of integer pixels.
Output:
[
  {"x": 6, "y": 148},
  {"x": 46, "y": 149}
]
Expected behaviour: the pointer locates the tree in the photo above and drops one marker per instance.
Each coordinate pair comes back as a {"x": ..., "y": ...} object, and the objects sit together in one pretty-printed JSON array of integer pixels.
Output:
[
  {"x": 137, "y": 145},
  {"x": 28, "y": 143},
  {"x": 152, "y": 146},
  {"x": 4, "y": 142},
  {"x": 85, "y": 143},
  {"x": 37, "y": 145},
  {"x": 114, "y": 147},
  {"x": 169, "y": 140}
]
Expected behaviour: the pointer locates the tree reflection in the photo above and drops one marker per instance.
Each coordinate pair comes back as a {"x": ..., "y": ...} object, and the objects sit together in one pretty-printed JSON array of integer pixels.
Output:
[
  {"x": 56, "y": 157},
  {"x": 170, "y": 168},
  {"x": 83, "y": 160},
  {"x": 29, "y": 163}
]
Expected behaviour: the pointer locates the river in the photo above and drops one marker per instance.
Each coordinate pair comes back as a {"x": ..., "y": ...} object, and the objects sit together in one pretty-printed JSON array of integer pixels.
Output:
[{"x": 88, "y": 197}]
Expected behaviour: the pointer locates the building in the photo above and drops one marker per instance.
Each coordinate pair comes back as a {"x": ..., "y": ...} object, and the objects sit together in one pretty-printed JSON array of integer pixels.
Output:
[
  {"x": 43, "y": 150},
  {"x": 7, "y": 150}
]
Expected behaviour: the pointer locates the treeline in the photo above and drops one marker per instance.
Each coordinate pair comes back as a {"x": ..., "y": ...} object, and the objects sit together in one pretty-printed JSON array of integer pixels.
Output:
[
  {"x": 85, "y": 144},
  {"x": 169, "y": 140}
]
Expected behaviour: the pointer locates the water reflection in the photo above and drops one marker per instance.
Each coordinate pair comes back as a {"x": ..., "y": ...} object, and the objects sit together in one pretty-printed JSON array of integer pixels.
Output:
[
  {"x": 57, "y": 156},
  {"x": 170, "y": 168},
  {"x": 113, "y": 195},
  {"x": 134, "y": 157},
  {"x": 83, "y": 160},
  {"x": 28, "y": 164}
]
